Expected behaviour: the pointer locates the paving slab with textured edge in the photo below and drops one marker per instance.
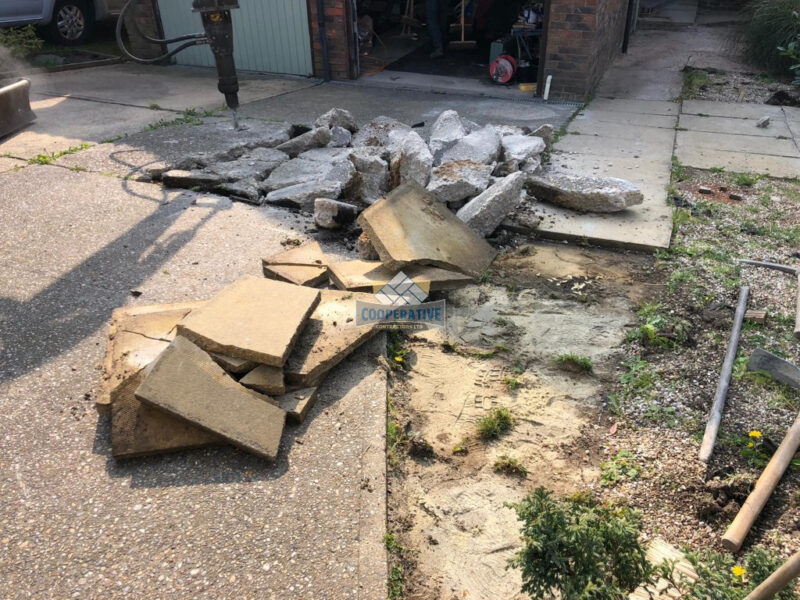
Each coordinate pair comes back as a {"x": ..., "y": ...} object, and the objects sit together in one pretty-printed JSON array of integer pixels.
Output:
[
  {"x": 139, "y": 429},
  {"x": 370, "y": 276},
  {"x": 329, "y": 337},
  {"x": 187, "y": 383},
  {"x": 297, "y": 274},
  {"x": 738, "y": 126},
  {"x": 252, "y": 319},
  {"x": 738, "y": 162},
  {"x": 297, "y": 403},
  {"x": 265, "y": 379},
  {"x": 308, "y": 255},
  {"x": 136, "y": 336},
  {"x": 409, "y": 226},
  {"x": 232, "y": 364}
]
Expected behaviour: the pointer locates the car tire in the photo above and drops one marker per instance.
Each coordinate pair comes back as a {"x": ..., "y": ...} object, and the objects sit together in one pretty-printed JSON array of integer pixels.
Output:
[{"x": 72, "y": 23}]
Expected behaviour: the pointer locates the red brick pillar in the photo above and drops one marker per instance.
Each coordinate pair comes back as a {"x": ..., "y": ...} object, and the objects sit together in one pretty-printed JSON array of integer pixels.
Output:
[{"x": 339, "y": 36}]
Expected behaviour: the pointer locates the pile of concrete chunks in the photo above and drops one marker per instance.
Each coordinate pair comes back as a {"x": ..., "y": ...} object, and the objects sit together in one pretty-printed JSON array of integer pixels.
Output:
[
  {"x": 234, "y": 368},
  {"x": 336, "y": 168}
]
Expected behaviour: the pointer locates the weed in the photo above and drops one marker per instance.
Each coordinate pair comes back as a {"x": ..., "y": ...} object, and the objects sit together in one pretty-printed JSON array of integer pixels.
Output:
[
  {"x": 678, "y": 170},
  {"x": 693, "y": 81},
  {"x": 461, "y": 449},
  {"x": 573, "y": 362},
  {"x": 661, "y": 414},
  {"x": 639, "y": 380},
  {"x": 615, "y": 405},
  {"x": 46, "y": 159},
  {"x": 745, "y": 180},
  {"x": 717, "y": 170},
  {"x": 510, "y": 466},
  {"x": 187, "y": 117},
  {"x": 111, "y": 140},
  {"x": 392, "y": 545},
  {"x": 397, "y": 351},
  {"x": 396, "y": 584},
  {"x": 153, "y": 106},
  {"x": 20, "y": 41},
  {"x": 498, "y": 422},
  {"x": 620, "y": 468},
  {"x": 484, "y": 277},
  {"x": 512, "y": 383}
]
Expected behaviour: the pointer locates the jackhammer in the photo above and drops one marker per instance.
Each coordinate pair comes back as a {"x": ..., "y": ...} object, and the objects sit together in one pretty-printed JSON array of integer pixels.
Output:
[{"x": 218, "y": 33}]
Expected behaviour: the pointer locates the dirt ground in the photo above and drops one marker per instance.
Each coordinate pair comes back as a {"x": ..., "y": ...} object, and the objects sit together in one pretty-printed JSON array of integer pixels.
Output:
[{"x": 447, "y": 503}]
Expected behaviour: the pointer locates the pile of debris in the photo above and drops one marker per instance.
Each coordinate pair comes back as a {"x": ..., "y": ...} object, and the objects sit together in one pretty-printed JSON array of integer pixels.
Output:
[
  {"x": 234, "y": 368},
  {"x": 335, "y": 169}
]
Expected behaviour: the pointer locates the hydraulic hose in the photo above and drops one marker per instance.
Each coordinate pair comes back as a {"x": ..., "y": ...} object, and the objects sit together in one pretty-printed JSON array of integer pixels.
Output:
[{"x": 197, "y": 39}]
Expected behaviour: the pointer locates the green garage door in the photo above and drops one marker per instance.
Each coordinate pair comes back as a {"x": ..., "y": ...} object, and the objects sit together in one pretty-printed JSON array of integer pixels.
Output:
[{"x": 269, "y": 35}]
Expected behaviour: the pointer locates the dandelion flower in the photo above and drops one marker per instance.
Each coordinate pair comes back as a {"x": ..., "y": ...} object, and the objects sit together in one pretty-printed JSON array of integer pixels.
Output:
[
  {"x": 738, "y": 571},
  {"x": 751, "y": 445},
  {"x": 398, "y": 358},
  {"x": 754, "y": 434}
]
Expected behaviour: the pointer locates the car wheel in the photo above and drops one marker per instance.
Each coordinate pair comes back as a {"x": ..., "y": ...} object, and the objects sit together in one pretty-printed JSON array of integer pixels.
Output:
[{"x": 72, "y": 22}]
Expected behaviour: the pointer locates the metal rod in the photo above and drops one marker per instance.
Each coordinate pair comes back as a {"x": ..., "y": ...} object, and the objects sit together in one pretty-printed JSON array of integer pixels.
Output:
[
  {"x": 770, "y": 265},
  {"x": 714, "y": 418},
  {"x": 323, "y": 40}
]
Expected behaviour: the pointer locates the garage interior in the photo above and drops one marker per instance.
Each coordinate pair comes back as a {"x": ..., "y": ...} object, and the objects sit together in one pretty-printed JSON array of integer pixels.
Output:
[{"x": 495, "y": 45}]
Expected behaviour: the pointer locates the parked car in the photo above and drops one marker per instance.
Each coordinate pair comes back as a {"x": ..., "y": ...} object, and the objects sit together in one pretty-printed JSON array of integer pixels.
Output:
[{"x": 67, "y": 22}]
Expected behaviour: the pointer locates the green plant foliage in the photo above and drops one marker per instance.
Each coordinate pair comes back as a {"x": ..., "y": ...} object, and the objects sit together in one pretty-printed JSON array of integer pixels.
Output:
[
  {"x": 771, "y": 25},
  {"x": 573, "y": 362},
  {"x": 620, "y": 468},
  {"x": 579, "y": 549},
  {"x": 495, "y": 424},
  {"x": 20, "y": 41},
  {"x": 510, "y": 466}
]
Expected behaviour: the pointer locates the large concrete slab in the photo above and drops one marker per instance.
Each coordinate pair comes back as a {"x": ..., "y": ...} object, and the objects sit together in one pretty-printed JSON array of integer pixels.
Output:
[
  {"x": 736, "y": 110},
  {"x": 252, "y": 319},
  {"x": 639, "y": 147},
  {"x": 661, "y": 137},
  {"x": 136, "y": 336},
  {"x": 265, "y": 379},
  {"x": 330, "y": 336},
  {"x": 738, "y": 162},
  {"x": 597, "y": 115},
  {"x": 641, "y": 107},
  {"x": 410, "y": 226},
  {"x": 173, "y": 87},
  {"x": 370, "y": 276},
  {"x": 188, "y": 384}
]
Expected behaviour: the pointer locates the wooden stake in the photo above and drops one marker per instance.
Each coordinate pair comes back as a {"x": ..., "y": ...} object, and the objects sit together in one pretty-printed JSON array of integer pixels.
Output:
[
  {"x": 734, "y": 537},
  {"x": 714, "y": 418},
  {"x": 778, "y": 580}
]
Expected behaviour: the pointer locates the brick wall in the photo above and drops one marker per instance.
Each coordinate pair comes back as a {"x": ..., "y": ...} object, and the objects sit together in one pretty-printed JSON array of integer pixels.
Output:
[
  {"x": 584, "y": 37},
  {"x": 338, "y": 33}
]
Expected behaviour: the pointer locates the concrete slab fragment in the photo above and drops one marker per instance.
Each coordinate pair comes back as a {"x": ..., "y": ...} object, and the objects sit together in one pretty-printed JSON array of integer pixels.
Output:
[
  {"x": 255, "y": 319},
  {"x": 188, "y": 384},
  {"x": 265, "y": 379},
  {"x": 138, "y": 429},
  {"x": 370, "y": 276},
  {"x": 737, "y": 162},
  {"x": 297, "y": 404},
  {"x": 622, "y": 131},
  {"x": 410, "y": 226},
  {"x": 749, "y": 144},
  {"x": 738, "y": 110},
  {"x": 627, "y": 148},
  {"x": 136, "y": 336},
  {"x": 298, "y": 275},
  {"x": 779, "y": 369},
  {"x": 233, "y": 365},
  {"x": 733, "y": 126},
  {"x": 307, "y": 255},
  {"x": 330, "y": 336}
]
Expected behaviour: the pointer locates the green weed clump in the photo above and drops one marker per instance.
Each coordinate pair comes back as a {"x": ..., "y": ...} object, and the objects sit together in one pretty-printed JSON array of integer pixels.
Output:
[{"x": 498, "y": 422}]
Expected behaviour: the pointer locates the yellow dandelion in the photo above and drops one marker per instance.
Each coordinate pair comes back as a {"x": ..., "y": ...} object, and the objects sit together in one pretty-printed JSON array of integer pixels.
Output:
[
  {"x": 738, "y": 571},
  {"x": 398, "y": 358},
  {"x": 751, "y": 445},
  {"x": 754, "y": 434}
]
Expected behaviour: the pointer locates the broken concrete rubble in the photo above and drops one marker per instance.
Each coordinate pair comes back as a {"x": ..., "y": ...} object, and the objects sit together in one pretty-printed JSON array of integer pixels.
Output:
[
  {"x": 309, "y": 254},
  {"x": 304, "y": 171},
  {"x": 410, "y": 226},
  {"x": 330, "y": 336},
  {"x": 337, "y": 117},
  {"x": 185, "y": 382},
  {"x": 446, "y": 131},
  {"x": 250, "y": 319},
  {"x": 370, "y": 276},
  {"x": 522, "y": 147},
  {"x": 233, "y": 365},
  {"x": 316, "y": 138},
  {"x": 244, "y": 190},
  {"x": 457, "y": 180},
  {"x": 265, "y": 379},
  {"x": 340, "y": 137},
  {"x": 374, "y": 171},
  {"x": 256, "y": 164},
  {"x": 547, "y": 133},
  {"x": 365, "y": 249},
  {"x": 410, "y": 159},
  {"x": 585, "y": 193},
  {"x": 481, "y": 146},
  {"x": 332, "y": 214},
  {"x": 202, "y": 180},
  {"x": 304, "y": 265},
  {"x": 303, "y": 195},
  {"x": 487, "y": 211},
  {"x": 376, "y": 132}
]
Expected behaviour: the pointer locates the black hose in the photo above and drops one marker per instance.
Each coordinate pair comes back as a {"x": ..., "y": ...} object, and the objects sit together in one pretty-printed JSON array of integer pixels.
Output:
[{"x": 197, "y": 40}]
